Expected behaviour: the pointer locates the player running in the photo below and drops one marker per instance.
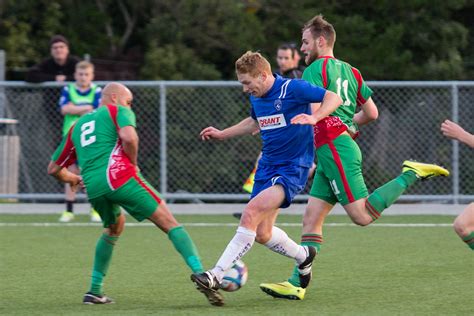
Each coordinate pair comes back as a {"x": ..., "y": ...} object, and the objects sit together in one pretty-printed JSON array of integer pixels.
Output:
[
  {"x": 338, "y": 175},
  {"x": 278, "y": 105},
  {"x": 105, "y": 143},
  {"x": 464, "y": 223}
]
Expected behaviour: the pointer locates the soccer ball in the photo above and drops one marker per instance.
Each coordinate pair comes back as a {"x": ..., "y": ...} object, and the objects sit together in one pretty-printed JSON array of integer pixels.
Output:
[{"x": 235, "y": 277}]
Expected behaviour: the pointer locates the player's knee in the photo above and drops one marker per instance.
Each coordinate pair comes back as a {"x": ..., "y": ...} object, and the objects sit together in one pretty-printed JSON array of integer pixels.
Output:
[
  {"x": 249, "y": 217},
  {"x": 115, "y": 230},
  {"x": 460, "y": 227},
  {"x": 263, "y": 236},
  {"x": 362, "y": 221}
]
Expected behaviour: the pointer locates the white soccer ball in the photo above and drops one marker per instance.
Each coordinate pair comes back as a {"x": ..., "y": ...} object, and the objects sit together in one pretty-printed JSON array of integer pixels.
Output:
[{"x": 235, "y": 277}]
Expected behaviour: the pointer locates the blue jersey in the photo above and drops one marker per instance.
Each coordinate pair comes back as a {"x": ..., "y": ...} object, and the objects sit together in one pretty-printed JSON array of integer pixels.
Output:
[{"x": 284, "y": 143}]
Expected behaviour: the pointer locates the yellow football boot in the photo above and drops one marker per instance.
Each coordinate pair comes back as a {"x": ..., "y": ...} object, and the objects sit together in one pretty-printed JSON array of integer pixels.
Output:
[
  {"x": 283, "y": 290},
  {"x": 424, "y": 170}
]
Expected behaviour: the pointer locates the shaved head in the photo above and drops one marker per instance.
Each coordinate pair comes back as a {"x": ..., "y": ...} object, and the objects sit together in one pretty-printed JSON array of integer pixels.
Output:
[{"x": 116, "y": 94}]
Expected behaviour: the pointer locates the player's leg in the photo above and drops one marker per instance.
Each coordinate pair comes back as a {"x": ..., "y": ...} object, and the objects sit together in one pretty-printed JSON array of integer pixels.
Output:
[
  {"x": 69, "y": 199},
  {"x": 388, "y": 193},
  {"x": 263, "y": 205},
  {"x": 178, "y": 236},
  {"x": 277, "y": 240},
  {"x": 114, "y": 223},
  {"x": 142, "y": 202},
  {"x": 313, "y": 220},
  {"x": 366, "y": 210},
  {"x": 344, "y": 171},
  {"x": 464, "y": 225}
]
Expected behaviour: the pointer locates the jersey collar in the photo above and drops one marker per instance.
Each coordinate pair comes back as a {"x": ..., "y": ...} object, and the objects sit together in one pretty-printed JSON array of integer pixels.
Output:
[{"x": 332, "y": 57}]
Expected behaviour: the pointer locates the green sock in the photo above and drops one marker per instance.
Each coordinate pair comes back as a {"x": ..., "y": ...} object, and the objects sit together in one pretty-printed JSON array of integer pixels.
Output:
[
  {"x": 469, "y": 240},
  {"x": 388, "y": 193},
  {"x": 314, "y": 240},
  {"x": 185, "y": 246},
  {"x": 103, "y": 255}
]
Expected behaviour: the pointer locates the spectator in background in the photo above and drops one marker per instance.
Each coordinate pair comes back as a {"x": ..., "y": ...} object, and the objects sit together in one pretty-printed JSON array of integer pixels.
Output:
[
  {"x": 77, "y": 99},
  {"x": 287, "y": 60},
  {"x": 59, "y": 67},
  {"x": 297, "y": 57}
]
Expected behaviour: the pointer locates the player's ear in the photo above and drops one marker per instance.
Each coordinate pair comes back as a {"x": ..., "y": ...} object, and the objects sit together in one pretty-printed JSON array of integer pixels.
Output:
[{"x": 321, "y": 41}]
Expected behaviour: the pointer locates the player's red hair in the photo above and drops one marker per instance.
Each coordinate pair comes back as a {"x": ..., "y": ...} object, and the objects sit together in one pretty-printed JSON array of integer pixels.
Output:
[{"x": 252, "y": 63}]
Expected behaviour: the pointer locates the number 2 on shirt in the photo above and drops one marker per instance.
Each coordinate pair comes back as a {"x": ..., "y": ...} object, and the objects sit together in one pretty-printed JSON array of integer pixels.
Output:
[{"x": 86, "y": 130}]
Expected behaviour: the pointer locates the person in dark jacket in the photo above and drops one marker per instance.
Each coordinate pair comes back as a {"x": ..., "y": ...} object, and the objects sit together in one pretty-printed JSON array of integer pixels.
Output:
[
  {"x": 59, "y": 67},
  {"x": 287, "y": 61}
]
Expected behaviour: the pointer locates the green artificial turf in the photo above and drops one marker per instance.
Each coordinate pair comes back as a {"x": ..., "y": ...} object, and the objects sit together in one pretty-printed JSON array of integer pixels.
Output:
[{"x": 375, "y": 270}]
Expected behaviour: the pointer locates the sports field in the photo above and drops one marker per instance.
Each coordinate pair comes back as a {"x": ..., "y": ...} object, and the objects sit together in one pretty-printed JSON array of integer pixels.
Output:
[{"x": 403, "y": 265}]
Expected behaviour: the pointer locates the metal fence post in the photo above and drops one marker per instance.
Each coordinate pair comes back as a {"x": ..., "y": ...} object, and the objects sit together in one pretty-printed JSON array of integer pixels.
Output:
[
  {"x": 163, "y": 139},
  {"x": 455, "y": 156},
  {"x": 3, "y": 70}
]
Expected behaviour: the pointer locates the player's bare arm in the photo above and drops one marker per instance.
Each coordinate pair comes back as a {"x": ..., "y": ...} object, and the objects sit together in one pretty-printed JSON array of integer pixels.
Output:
[
  {"x": 367, "y": 114},
  {"x": 129, "y": 137},
  {"x": 244, "y": 127},
  {"x": 64, "y": 175},
  {"x": 72, "y": 109},
  {"x": 454, "y": 131},
  {"x": 330, "y": 103}
]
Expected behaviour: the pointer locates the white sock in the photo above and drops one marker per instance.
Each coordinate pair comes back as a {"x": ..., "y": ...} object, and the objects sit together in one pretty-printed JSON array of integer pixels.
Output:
[
  {"x": 236, "y": 249},
  {"x": 284, "y": 245}
]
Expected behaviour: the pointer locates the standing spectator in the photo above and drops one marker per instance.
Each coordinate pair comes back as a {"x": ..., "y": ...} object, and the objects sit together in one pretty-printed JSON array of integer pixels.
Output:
[
  {"x": 59, "y": 67},
  {"x": 297, "y": 58},
  {"x": 288, "y": 61},
  {"x": 77, "y": 99}
]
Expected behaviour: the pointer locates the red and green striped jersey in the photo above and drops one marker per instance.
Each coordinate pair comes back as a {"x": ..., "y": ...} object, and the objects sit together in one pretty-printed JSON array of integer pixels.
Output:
[
  {"x": 95, "y": 143},
  {"x": 340, "y": 77}
]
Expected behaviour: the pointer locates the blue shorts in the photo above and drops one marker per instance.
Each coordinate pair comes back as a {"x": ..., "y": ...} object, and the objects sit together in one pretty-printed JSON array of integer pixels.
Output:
[{"x": 292, "y": 178}]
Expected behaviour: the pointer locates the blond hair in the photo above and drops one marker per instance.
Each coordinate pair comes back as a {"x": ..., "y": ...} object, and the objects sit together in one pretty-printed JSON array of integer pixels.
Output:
[
  {"x": 320, "y": 27},
  {"x": 252, "y": 63},
  {"x": 84, "y": 65}
]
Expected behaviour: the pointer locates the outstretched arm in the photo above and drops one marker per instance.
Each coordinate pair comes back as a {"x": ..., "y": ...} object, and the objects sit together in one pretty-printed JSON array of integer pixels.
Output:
[
  {"x": 244, "y": 127},
  {"x": 64, "y": 175},
  {"x": 367, "y": 114},
  {"x": 454, "y": 131},
  {"x": 330, "y": 103}
]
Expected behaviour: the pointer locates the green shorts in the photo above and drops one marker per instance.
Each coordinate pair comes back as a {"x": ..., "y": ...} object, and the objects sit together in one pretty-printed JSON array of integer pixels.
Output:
[
  {"x": 338, "y": 176},
  {"x": 136, "y": 196}
]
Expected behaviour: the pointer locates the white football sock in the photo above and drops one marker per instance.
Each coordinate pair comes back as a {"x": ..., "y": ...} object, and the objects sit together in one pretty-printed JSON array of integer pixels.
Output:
[
  {"x": 236, "y": 249},
  {"x": 284, "y": 245}
]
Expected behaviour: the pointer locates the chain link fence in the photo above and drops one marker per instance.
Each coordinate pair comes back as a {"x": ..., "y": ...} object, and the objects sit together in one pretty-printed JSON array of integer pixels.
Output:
[{"x": 172, "y": 157}]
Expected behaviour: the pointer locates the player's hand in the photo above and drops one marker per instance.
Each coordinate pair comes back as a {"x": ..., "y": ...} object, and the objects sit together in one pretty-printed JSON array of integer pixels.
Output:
[
  {"x": 353, "y": 131},
  {"x": 304, "y": 119},
  {"x": 211, "y": 133},
  {"x": 452, "y": 130},
  {"x": 76, "y": 183},
  {"x": 60, "y": 78}
]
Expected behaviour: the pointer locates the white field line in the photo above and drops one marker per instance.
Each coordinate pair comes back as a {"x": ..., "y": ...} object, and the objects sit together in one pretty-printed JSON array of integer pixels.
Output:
[{"x": 219, "y": 225}]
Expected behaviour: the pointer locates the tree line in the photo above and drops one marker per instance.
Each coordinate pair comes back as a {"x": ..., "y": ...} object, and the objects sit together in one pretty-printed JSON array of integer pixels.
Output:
[{"x": 200, "y": 39}]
